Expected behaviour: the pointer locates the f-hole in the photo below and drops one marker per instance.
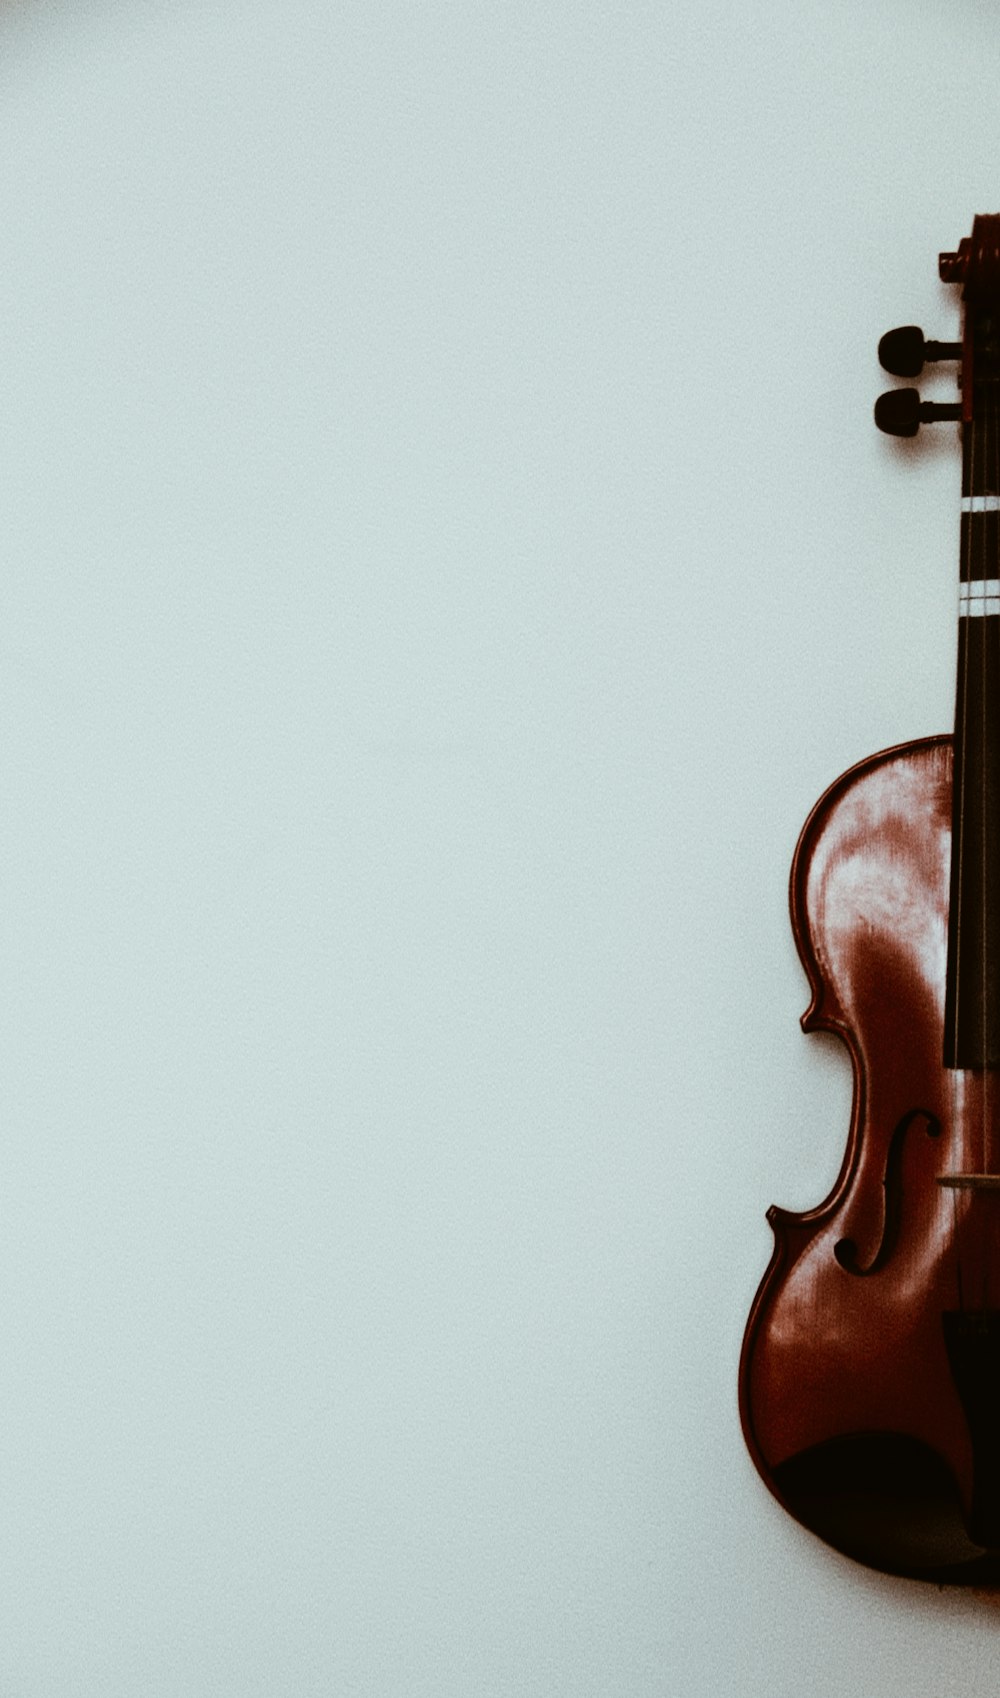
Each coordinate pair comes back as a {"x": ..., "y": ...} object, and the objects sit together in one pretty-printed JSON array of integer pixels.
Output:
[{"x": 845, "y": 1250}]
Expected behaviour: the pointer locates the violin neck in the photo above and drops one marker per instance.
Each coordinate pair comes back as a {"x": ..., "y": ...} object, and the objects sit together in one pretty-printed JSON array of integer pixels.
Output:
[{"x": 972, "y": 996}]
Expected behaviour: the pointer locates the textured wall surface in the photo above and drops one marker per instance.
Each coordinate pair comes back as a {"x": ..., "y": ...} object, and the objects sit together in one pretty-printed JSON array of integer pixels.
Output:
[{"x": 446, "y": 551}]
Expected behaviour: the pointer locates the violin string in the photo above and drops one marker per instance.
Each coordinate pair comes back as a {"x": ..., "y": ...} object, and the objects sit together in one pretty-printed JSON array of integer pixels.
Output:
[
  {"x": 994, "y": 651},
  {"x": 992, "y": 625},
  {"x": 990, "y": 569},
  {"x": 958, "y": 1079},
  {"x": 975, "y": 668},
  {"x": 987, "y": 485},
  {"x": 959, "y": 763},
  {"x": 983, "y": 917},
  {"x": 975, "y": 1078},
  {"x": 978, "y": 565},
  {"x": 972, "y": 1078}
]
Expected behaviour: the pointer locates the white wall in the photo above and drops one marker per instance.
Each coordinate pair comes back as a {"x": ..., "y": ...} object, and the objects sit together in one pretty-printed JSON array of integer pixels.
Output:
[{"x": 446, "y": 553}]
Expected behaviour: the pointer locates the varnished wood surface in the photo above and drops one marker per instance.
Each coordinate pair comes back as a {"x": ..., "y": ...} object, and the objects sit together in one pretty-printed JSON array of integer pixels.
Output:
[{"x": 847, "y": 1336}]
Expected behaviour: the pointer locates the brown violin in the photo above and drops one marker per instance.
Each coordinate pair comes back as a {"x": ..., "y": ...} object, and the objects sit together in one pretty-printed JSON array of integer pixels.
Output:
[{"x": 870, "y": 1373}]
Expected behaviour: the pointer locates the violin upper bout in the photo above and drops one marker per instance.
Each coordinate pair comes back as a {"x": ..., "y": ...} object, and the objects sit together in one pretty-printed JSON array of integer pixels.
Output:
[{"x": 869, "y": 891}]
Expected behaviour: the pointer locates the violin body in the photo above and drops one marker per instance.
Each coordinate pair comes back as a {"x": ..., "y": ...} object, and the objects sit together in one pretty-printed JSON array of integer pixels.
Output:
[
  {"x": 870, "y": 1372},
  {"x": 871, "y": 1408}
]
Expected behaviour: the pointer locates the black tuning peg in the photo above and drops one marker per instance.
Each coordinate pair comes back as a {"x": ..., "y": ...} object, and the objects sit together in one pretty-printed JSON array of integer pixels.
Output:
[
  {"x": 900, "y": 412},
  {"x": 904, "y": 351}
]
